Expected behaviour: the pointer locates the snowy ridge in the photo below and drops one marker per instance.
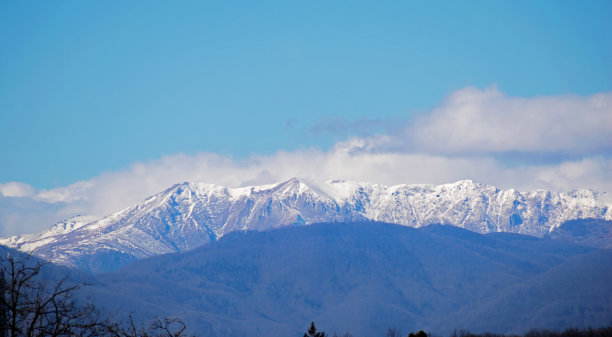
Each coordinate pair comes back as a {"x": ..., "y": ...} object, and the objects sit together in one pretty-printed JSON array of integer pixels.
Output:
[
  {"x": 31, "y": 242},
  {"x": 188, "y": 215}
]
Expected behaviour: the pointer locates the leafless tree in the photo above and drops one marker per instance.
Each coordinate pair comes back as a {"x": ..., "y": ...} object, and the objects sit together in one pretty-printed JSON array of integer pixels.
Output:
[
  {"x": 393, "y": 332},
  {"x": 166, "y": 327},
  {"x": 30, "y": 307}
]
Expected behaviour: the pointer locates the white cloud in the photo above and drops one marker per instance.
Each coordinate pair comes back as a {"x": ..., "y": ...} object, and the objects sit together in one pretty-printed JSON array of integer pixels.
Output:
[
  {"x": 27, "y": 215},
  {"x": 458, "y": 140},
  {"x": 15, "y": 189},
  {"x": 487, "y": 121}
]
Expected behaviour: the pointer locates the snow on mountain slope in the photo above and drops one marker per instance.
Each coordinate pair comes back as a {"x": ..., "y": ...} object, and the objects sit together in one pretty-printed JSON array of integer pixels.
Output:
[
  {"x": 188, "y": 215},
  {"x": 32, "y": 241}
]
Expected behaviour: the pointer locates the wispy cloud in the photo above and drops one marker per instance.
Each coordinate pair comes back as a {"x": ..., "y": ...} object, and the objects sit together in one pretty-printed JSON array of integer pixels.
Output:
[
  {"x": 339, "y": 126},
  {"x": 26, "y": 214},
  {"x": 461, "y": 139},
  {"x": 15, "y": 189}
]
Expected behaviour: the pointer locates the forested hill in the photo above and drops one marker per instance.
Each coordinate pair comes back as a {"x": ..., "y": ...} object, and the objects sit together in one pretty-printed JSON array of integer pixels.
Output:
[{"x": 367, "y": 277}]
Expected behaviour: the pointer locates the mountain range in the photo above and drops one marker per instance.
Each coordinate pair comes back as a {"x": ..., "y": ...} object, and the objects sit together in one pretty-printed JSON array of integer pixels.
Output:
[{"x": 188, "y": 215}]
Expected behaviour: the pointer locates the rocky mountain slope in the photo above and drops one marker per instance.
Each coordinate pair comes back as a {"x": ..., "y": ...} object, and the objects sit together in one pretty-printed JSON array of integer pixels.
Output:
[{"x": 188, "y": 215}]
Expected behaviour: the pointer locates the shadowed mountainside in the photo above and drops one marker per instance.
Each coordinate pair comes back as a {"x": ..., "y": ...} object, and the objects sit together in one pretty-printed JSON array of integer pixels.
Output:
[
  {"x": 587, "y": 232},
  {"x": 367, "y": 277}
]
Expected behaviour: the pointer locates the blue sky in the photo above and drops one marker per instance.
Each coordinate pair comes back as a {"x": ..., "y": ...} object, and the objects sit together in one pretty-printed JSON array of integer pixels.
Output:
[
  {"x": 92, "y": 89},
  {"x": 93, "y": 86}
]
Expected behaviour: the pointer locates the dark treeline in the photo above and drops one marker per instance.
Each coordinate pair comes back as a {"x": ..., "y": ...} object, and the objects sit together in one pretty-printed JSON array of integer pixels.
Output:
[
  {"x": 394, "y": 332},
  {"x": 571, "y": 332}
]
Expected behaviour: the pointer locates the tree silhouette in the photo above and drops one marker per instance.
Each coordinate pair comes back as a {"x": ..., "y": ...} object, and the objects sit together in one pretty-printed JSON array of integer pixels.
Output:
[
  {"x": 167, "y": 327},
  {"x": 421, "y": 333},
  {"x": 30, "y": 307},
  {"x": 312, "y": 332},
  {"x": 33, "y": 307}
]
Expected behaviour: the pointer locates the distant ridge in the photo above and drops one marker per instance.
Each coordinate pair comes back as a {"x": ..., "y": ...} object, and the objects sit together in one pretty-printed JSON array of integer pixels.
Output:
[
  {"x": 188, "y": 215},
  {"x": 365, "y": 278}
]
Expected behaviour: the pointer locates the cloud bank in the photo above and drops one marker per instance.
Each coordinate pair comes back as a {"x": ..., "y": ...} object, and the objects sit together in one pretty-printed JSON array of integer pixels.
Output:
[
  {"x": 487, "y": 121},
  {"x": 469, "y": 136}
]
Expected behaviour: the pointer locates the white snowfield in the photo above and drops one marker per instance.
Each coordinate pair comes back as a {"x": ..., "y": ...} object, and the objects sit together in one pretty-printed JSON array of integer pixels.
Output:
[{"x": 188, "y": 215}]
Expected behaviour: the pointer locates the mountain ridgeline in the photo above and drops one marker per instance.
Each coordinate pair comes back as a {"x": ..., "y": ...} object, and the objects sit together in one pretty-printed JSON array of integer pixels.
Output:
[{"x": 188, "y": 215}]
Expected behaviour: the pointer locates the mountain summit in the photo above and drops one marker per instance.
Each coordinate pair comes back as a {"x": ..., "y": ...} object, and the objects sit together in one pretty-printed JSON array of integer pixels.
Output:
[{"x": 188, "y": 215}]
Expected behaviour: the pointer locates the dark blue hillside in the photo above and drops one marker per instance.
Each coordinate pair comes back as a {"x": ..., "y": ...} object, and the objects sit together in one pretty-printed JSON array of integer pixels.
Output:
[
  {"x": 50, "y": 272},
  {"x": 365, "y": 278},
  {"x": 588, "y": 232}
]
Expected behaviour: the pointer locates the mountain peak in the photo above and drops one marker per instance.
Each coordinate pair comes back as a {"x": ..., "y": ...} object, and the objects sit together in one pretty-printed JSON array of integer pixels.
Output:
[
  {"x": 293, "y": 184},
  {"x": 189, "y": 214}
]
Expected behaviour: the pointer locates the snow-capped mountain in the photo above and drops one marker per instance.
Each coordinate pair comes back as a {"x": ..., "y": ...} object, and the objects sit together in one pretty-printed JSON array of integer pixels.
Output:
[{"x": 188, "y": 215}]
